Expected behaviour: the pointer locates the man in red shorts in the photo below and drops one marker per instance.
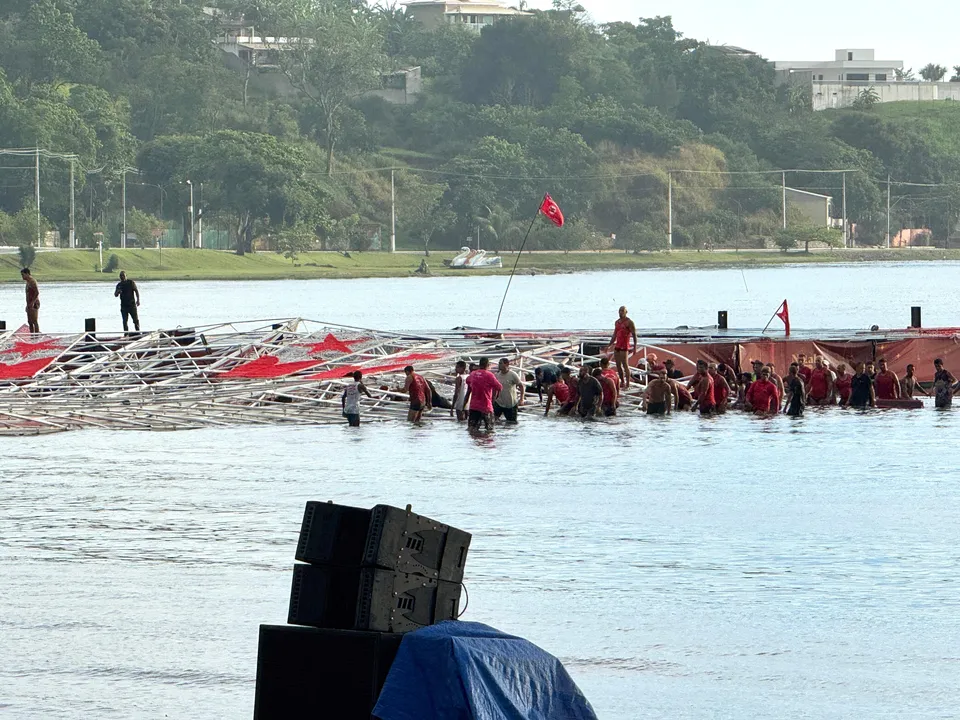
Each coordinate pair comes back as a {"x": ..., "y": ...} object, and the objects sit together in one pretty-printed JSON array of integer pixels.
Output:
[
  {"x": 481, "y": 385},
  {"x": 611, "y": 373},
  {"x": 886, "y": 383},
  {"x": 820, "y": 386},
  {"x": 419, "y": 394},
  {"x": 763, "y": 396},
  {"x": 623, "y": 330}
]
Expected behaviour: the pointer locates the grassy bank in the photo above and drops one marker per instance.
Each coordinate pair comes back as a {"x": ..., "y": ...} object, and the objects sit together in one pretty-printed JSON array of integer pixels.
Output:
[{"x": 79, "y": 265}]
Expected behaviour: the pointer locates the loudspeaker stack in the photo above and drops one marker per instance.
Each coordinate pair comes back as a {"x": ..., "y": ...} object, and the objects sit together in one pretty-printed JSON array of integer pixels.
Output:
[{"x": 364, "y": 578}]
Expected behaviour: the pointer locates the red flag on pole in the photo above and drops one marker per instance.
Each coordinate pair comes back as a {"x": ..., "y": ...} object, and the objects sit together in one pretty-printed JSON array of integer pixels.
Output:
[
  {"x": 549, "y": 208},
  {"x": 784, "y": 314}
]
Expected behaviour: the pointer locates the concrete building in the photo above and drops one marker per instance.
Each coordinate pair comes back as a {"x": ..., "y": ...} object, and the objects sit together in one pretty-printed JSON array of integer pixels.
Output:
[
  {"x": 472, "y": 14},
  {"x": 813, "y": 207},
  {"x": 401, "y": 87},
  {"x": 847, "y": 66}
]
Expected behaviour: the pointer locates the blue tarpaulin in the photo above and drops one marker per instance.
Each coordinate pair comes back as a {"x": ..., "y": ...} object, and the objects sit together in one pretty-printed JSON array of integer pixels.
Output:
[{"x": 469, "y": 671}]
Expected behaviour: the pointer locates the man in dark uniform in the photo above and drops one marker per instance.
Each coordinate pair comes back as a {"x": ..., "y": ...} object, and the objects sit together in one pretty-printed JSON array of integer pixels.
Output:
[{"x": 129, "y": 296}]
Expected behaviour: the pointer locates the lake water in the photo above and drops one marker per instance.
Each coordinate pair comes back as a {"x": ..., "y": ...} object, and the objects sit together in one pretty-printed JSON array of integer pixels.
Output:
[{"x": 729, "y": 567}]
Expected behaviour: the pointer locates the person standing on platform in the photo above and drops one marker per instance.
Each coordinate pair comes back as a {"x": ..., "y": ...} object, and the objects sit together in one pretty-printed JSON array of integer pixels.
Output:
[
  {"x": 842, "y": 384},
  {"x": 419, "y": 394},
  {"x": 862, "y": 392},
  {"x": 509, "y": 398},
  {"x": 350, "y": 400},
  {"x": 608, "y": 401},
  {"x": 721, "y": 388},
  {"x": 129, "y": 295},
  {"x": 943, "y": 382},
  {"x": 703, "y": 390},
  {"x": 623, "y": 330},
  {"x": 886, "y": 383},
  {"x": 820, "y": 388},
  {"x": 763, "y": 396},
  {"x": 481, "y": 385},
  {"x": 909, "y": 385},
  {"x": 660, "y": 395},
  {"x": 796, "y": 393},
  {"x": 33, "y": 300}
]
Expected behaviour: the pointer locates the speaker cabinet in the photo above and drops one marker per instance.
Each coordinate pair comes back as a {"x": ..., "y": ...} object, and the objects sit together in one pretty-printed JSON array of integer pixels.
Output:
[
  {"x": 369, "y": 599},
  {"x": 383, "y": 537},
  {"x": 320, "y": 674}
]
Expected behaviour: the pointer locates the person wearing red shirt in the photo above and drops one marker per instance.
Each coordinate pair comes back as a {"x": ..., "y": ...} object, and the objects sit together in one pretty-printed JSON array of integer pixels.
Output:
[
  {"x": 608, "y": 400},
  {"x": 559, "y": 390},
  {"x": 804, "y": 370},
  {"x": 820, "y": 385},
  {"x": 842, "y": 384},
  {"x": 611, "y": 373},
  {"x": 886, "y": 383},
  {"x": 419, "y": 394},
  {"x": 706, "y": 402},
  {"x": 623, "y": 329},
  {"x": 573, "y": 392},
  {"x": 763, "y": 396},
  {"x": 481, "y": 385},
  {"x": 684, "y": 398},
  {"x": 721, "y": 388}
]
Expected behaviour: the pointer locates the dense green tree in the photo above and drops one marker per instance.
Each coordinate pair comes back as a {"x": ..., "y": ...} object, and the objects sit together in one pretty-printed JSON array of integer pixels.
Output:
[{"x": 932, "y": 72}]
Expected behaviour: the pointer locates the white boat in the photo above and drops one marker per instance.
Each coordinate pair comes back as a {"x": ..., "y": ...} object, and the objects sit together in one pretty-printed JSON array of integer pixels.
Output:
[{"x": 469, "y": 258}]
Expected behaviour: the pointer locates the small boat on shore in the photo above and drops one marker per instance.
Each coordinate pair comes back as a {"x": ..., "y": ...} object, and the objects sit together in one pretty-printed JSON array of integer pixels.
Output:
[{"x": 473, "y": 259}]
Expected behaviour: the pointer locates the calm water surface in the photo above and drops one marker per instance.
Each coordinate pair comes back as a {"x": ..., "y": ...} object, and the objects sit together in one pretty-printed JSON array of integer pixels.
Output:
[{"x": 682, "y": 568}]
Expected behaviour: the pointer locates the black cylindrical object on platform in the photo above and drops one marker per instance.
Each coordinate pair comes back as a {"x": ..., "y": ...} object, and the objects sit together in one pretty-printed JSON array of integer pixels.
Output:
[
  {"x": 90, "y": 325},
  {"x": 915, "y": 316},
  {"x": 722, "y": 319}
]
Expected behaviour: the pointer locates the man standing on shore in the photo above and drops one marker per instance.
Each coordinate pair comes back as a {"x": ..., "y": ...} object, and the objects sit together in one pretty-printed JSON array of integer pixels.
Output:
[
  {"x": 33, "y": 301},
  {"x": 509, "y": 398},
  {"x": 129, "y": 295},
  {"x": 481, "y": 385},
  {"x": 623, "y": 329}
]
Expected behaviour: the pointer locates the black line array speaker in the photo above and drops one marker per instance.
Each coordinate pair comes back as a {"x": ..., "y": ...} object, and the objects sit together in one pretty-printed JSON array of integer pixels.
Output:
[
  {"x": 369, "y": 599},
  {"x": 317, "y": 673},
  {"x": 384, "y": 537}
]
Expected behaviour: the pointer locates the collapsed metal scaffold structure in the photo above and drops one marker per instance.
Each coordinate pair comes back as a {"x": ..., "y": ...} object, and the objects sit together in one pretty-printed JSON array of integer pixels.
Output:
[{"x": 250, "y": 373}]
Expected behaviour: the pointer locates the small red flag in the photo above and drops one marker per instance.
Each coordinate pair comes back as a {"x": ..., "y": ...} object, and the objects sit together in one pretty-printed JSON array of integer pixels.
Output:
[
  {"x": 549, "y": 208},
  {"x": 784, "y": 314}
]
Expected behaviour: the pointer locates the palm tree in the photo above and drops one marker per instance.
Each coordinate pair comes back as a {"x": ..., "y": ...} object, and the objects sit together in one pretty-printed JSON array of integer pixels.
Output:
[{"x": 499, "y": 226}]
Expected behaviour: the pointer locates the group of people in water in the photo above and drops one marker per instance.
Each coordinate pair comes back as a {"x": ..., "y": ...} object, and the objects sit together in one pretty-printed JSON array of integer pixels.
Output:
[{"x": 481, "y": 396}]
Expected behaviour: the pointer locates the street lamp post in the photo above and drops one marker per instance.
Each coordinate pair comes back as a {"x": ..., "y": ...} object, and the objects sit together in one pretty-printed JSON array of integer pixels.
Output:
[{"x": 200, "y": 220}]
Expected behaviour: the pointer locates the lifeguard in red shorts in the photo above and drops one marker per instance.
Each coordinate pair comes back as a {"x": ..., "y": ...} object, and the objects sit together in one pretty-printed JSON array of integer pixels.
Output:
[{"x": 623, "y": 329}]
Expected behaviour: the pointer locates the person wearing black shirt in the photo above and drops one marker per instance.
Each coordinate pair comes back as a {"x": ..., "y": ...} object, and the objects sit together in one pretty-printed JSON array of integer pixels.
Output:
[
  {"x": 672, "y": 372},
  {"x": 129, "y": 296},
  {"x": 796, "y": 394},
  {"x": 862, "y": 393}
]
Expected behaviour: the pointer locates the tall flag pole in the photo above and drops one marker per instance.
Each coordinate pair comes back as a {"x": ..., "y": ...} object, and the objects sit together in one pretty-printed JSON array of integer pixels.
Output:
[{"x": 550, "y": 210}]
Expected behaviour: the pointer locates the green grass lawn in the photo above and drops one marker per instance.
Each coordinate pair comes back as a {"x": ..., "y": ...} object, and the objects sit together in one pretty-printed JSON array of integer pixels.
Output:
[{"x": 179, "y": 264}]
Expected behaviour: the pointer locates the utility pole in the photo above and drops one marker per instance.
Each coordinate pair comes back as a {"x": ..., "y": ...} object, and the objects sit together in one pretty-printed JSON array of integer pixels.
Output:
[
  {"x": 73, "y": 208},
  {"x": 783, "y": 208},
  {"x": 846, "y": 235},
  {"x": 200, "y": 219},
  {"x": 37, "y": 192},
  {"x": 123, "y": 238},
  {"x": 669, "y": 209},
  {"x": 393, "y": 216},
  {"x": 888, "y": 210},
  {"x": 190, "y": 211}
]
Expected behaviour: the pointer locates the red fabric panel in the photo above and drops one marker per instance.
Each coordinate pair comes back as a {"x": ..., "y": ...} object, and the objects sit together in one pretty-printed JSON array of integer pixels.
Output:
[
  {"x": 26, "y": 369},
  {"x": 268, "y": 366},
  {"x": 921, "y": 352},
  {"x": 397, "y": 363}
]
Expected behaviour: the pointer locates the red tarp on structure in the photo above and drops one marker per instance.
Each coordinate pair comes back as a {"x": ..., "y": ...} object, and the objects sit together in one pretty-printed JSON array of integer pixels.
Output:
[{"x": 920, "y": 351}]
